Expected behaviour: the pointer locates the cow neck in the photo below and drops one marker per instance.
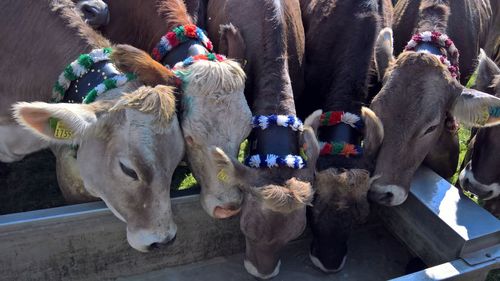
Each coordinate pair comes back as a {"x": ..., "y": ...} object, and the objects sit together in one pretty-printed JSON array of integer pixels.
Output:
[
  {"x": 274, "y": 142},
  {"x": 340, "y": 134},
  {"x": 439, "y": 45}
]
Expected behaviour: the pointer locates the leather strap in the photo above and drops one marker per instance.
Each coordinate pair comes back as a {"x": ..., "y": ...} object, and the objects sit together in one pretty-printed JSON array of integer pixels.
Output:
[
  {"x": 79, "y": 88},
  {"x": 183, "y": 51},
  {"x": 429, "y": 47},
  {"x": 274, "y": 140},
  {"x": 340, "y": 133}
]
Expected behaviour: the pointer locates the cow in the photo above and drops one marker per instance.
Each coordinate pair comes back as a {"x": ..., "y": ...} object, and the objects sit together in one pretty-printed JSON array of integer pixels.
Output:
[{"x": 128, "y": 136}]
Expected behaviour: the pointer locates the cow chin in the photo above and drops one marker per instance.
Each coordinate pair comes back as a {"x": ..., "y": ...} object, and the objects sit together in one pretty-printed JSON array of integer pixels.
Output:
[
  {"x": 388, "y": 195},
  {"x": 483, "y": 191},
  {"x": 255, "y": 272}
]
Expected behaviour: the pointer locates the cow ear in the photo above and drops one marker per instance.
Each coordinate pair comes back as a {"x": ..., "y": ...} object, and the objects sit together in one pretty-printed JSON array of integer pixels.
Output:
[
  {"x": 148, "y": 71},
  {"x": 57, "y": 123},
  {"x": 231, "y": 43},
  {"x": 313, "y": 120},
  {"x": 309, "y": 146},
  {"x": 230, "y": 170},
  {"x": 383, "y": 52},
  {"x": 487, "y": 70},
  {"x": 477, "y": 109},
  {"x": 373, "y": 131}
]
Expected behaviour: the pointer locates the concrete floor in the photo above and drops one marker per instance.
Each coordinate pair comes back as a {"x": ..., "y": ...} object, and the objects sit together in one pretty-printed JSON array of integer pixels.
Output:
[{"x": 374, "y": 254}]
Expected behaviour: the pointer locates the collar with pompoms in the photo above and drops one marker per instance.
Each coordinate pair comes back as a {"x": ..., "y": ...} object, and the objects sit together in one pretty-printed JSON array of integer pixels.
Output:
[
  {"x": 80, "y": 67},
  {"x": 272, "y": 160},
  {"x": 441, "y": 40},
  {"x": 290, "y": 121},
  {"x": 331, "y": 118},
  {"x": 190, "y": 60},
  {"x": 178, "y": 36}
]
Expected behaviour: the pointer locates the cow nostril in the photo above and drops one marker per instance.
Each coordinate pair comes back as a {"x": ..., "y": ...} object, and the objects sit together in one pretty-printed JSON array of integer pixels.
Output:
[
  {"x": 158, "y": 245},
  {"x": 466, "y": 183},
  {"x": 89, "y": 12},
  {"x": 154, "y": 246},
  {"x": 388, "y": 195}
]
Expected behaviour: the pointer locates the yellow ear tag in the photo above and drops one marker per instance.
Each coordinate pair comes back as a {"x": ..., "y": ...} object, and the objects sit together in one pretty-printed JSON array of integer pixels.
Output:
[
  {"x": 61, "y": 131},
  {"x": 222, "y": 176},
  {"x": 302, "y": 153}
]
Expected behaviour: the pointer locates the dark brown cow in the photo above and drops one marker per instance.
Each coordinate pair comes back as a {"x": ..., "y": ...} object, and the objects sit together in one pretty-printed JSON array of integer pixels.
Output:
[
  {"x": 340, "y": 36},
  {"x": 416, "y": 105},
  {"x": 269, "y": 36},
  {"x": 481, "y": 175},
  {"x": 476, "y": 16}
]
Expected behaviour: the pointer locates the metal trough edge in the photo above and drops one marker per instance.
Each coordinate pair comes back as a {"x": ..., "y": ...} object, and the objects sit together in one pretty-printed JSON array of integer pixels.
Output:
[
  {"x": 438, "y": 223},
  {"x": 86, "y": 242}
]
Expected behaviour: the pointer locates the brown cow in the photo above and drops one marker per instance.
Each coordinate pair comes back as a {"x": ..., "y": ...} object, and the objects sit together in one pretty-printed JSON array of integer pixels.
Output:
[
  {"x": 129, "y": 144},
  {"x": 468, "y": 25},
  {"x": 268, "y": 35},
  {"x": 214, "y": 110},
  {"x": 415, "y": 105},
  {"x": 481, "y": 175}
]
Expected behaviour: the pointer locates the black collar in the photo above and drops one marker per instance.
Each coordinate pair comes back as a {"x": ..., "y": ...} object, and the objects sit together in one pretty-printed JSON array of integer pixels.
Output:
[
  {"x": 340, "y": 133},
  {"x": 274, "y": 140},
  {"x": 429, "y": 47},
  {"x": 187, "y": 49},
  {"x": 79, "y": 88}
]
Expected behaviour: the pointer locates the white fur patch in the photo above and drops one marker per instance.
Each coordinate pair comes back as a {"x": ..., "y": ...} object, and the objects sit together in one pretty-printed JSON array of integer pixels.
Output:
[
  {"x": 320, "y": 265},
  {"x": 476, "y": 185},
  {"x": 254, "y": 272},
  {"x": 399, "y": 194}
]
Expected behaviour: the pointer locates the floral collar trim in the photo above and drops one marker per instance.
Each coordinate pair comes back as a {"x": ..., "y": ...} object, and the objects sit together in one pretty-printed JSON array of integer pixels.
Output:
[
  {"x": 190, "y": 60},
  {"x": 178, "y": 36},
  {"x": 331, "y": 118},
  {"x": 290, "y": 121},
  {"x": 272, "y": 160},
  {"x": 340, "y": 148},
  {"x": 82, "y": 66},
  {"x": 441, "y": 40}
]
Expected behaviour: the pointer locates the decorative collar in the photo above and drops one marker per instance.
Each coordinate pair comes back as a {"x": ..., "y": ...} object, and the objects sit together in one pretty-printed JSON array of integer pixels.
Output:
[
  {"x": 441, "y": 40},
  {"x": 272, "y": 160},
  {"x": 339, "y": 148},
  {"x": 190, "y": 60},
  {"x": 81, "y": 67},
  {"x": 331, "y": 118},
  {"x": 178, "y": 36},
  {"x": 290, "y": 121}
]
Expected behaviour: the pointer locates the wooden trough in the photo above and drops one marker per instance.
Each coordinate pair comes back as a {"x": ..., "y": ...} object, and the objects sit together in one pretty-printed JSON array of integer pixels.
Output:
[{"x": 86, "y": 242}]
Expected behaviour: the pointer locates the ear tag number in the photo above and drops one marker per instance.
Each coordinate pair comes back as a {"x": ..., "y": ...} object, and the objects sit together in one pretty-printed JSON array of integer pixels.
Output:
[
  {"x": 60, "y": 130},
  {"x": 222, "y": 176}
]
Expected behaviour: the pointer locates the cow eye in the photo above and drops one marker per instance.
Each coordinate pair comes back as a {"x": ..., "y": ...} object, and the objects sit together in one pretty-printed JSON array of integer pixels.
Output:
[
  {"x": 128, "y": 171},
  {"x": 430, "y": 129}
]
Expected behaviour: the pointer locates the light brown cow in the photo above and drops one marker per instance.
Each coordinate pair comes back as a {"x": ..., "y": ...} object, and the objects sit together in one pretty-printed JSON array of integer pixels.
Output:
[{"x": 129, "y": 144}]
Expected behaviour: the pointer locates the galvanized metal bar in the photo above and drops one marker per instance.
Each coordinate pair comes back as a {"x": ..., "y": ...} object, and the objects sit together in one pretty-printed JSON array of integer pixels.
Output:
[
  {"x": 86, "y": 242},
  {"x": 439, "y": 223}
]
